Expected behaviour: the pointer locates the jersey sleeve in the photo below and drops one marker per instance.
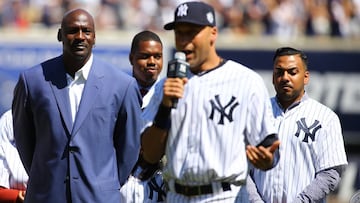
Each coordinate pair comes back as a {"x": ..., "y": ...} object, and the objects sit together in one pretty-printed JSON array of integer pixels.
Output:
[
  {"x": 4, "y": 173},
  {"x": 12, "y": 172},
  {"x": 5, "y": 121},
  {"x": 329, "y": 148},
  {"x": 261, "y": 122}
]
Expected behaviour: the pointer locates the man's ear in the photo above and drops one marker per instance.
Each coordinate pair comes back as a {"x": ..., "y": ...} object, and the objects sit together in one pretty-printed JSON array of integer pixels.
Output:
[
  {"x": 59, "y": 35},
  {"x": 306, "y": 77},
  {"x": 131, "y": 56},
  {"x": 214, "y": 33}
]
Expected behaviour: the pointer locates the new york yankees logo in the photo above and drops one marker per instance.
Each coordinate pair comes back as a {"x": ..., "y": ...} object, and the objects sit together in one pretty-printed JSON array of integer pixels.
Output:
[
  {"x": 303, "y": 126},
  {"x": 216, "y": 105},
  {"x": 156, "y": 188},
  {"x": 182, "y": 10}
]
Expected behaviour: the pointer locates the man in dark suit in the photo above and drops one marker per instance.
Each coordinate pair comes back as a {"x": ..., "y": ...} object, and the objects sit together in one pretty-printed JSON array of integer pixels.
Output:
[{"x": 77, "y": 121}]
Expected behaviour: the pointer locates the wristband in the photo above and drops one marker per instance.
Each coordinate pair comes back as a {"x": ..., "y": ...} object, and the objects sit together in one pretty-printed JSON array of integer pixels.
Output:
[{"x": 162, "y": 119}]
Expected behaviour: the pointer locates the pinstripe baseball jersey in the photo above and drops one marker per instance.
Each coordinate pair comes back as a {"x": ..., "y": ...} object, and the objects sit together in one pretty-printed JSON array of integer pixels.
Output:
[
  {"x": 221, "y": 110},
  {"x": 311, "y": 141},
  {"x": 148, "y": 191},
  {"x": 135, "y": 190},
  {"x": 12, "y": 172}
]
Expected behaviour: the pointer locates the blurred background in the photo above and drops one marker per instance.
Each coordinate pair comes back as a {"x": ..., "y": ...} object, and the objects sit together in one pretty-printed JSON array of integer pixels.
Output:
[{"x": 250, "y": 31}]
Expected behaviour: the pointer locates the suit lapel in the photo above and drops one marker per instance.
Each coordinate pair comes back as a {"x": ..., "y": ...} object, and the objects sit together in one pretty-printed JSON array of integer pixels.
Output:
[
  {"x": 91, "y": 90},
  {"x": 54, "y": 72},
  {"x": 62, "y": 99}
]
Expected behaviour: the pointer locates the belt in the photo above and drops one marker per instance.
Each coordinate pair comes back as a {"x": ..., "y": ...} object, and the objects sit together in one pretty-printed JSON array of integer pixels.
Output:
[{"x": 199, "y": 189}]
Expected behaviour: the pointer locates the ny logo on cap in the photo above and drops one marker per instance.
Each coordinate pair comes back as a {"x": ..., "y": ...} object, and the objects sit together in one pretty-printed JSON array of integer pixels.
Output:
[
  {"x": 182, "y": 11},
  {"x": 210, "y": 17}
]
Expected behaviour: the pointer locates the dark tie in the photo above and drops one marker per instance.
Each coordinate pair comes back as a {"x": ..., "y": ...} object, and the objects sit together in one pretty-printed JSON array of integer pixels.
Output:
[{"x": 143, "y": 91}]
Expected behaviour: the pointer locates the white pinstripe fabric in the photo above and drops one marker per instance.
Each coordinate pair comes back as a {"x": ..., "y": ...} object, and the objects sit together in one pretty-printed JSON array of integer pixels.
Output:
[
  {"x": 236, "y": 194},
  {"x": 299, "y": 161},
  {"x": 12, "y": 172},
  {"x": 135, "y": 190},
  {"x": 199, "y": 149}
]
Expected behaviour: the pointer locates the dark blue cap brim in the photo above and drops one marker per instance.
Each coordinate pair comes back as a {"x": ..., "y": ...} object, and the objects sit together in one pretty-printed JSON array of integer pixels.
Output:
[{"x": 169, "y": 26}]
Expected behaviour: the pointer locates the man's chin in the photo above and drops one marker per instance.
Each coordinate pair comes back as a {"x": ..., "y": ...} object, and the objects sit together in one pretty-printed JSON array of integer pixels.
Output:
[
  {"x": 80, "y": 57},
  {"x": 285, "y": 95}
]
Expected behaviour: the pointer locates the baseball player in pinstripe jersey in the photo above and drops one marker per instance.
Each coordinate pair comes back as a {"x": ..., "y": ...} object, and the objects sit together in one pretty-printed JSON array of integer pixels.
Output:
[
  {"x": 13, "y": 177},
  {"x": 312, "y": 146},
  {"x": 146, "y": 57},
  {"x": 222, "y": 106}
]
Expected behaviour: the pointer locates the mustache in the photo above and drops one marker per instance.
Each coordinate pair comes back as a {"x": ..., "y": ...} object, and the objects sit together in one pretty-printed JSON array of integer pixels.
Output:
[
  {"x": 151, "y": 67},
  {"x": 285, "y": 84},
  {"x": 77, "y": 43}
]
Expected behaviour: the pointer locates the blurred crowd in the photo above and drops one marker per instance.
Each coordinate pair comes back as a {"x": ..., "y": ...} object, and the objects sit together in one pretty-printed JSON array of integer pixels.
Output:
[{"x": 283, "y": 18}]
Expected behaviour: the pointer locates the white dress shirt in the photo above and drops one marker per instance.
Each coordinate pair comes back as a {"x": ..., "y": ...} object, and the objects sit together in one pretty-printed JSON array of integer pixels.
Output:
[{"x": 76, "y": 86}]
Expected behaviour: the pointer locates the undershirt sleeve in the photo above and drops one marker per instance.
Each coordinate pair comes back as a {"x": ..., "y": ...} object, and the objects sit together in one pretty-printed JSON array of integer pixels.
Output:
[
  {"x": 8, "y": 195},
  {"x": 254, "y": 196},
  {"x": 324, "y": 182}
]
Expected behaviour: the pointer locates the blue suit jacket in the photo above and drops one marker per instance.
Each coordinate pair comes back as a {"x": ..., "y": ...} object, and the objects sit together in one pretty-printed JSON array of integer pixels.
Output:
[{"x": 85, "y": 161}]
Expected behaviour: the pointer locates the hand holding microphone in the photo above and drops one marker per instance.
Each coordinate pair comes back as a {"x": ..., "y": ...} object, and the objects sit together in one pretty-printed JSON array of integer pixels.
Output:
[{"x": 177, "y": 68}]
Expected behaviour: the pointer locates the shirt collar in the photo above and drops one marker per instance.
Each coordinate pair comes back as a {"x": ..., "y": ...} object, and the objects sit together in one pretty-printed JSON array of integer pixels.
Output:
[
  {"x": 222, "y": 62},
  {"x": 142, "y": 87},
  {"x": 83, "y": 72},
  {"x": 86, "y": 68}
]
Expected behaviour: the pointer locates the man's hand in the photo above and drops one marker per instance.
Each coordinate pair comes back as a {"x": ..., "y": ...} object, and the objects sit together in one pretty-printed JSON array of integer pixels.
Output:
[
  {"x": 173, "y": 89},
  {"x": 21, "y": 196},
  {"x": 262, "y": 157}
]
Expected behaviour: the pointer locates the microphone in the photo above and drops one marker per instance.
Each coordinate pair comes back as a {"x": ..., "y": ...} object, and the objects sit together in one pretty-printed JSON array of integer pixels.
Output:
[{"x": 177, "y": 68}]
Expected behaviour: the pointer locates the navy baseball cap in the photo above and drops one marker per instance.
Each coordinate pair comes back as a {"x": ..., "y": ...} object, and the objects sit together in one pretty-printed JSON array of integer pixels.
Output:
[{"x": 194, "y": 12}]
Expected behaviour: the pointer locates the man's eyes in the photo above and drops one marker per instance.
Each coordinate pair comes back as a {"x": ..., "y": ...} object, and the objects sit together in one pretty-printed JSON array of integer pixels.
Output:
[
  {"x": 290, "y": 72},
  {"x": 74, "y": 31},
  {"x": 146, "y": 56}
]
